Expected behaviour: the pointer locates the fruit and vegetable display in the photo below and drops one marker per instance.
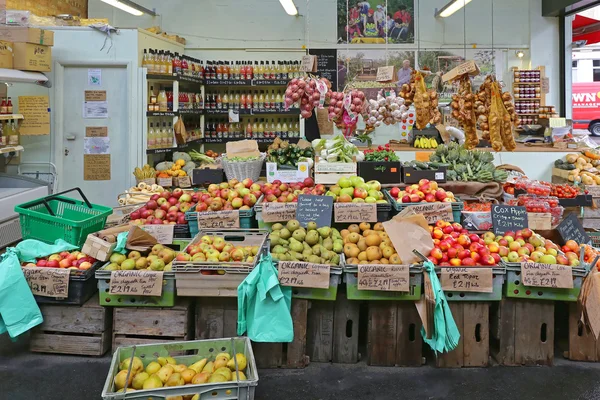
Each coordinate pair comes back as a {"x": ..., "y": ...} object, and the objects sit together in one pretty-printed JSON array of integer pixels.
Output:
[
  {"x": 165, "y": 208},
  {"x": 166, "y": 372},
  {"x": 140, "y": 193},
  {"x": 478, "y": 207},
  {"x": 425, "y": 142},
  {"x": 74, "y": 260},
  {"x": 356, "y": 190},
  {"x": 159, "y": 258},
  {"x": 231, "y": 195},
  {"x": 335, "y": 150},
  {"x": 310, "y": 92},
  {"x": 283, "y": 153},
  {"x": 467, "y": 165},
  {"x": 292, "y": 242},
  {"x": 425, "y": 191},
  {"x": 583, "y": 168},
  {"x": 367, "y": 243},
  {"x": 496, "y": 114},
  {"x": 146, "y": 172},
  {"x": 203, "y": 159},
  {"x": 180, "y": 167},
  {"x": 215, "y": 249},
  {"x": 279, "y": 192},
  {"x": 381, "y": 153},
  {"x": 344, "y": 108},
  {"x": 425, "y": 101},
  {"x": 388, "y": 110}
]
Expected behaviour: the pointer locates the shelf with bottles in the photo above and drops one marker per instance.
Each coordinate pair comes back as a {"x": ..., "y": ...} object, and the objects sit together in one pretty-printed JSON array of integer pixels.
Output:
[
  {"x": 263, "y": 130},
  {"x": 164, "y": 65},
  {"x": 9, "y": 131},
  {"x": 263, "y": 140},
  {"x": 245, "y": 101}
]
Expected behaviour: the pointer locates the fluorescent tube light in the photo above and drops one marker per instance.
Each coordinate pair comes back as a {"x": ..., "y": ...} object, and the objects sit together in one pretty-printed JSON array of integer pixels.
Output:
[
  {"x": 130, "y": 7},
  {"x": 450, "y": 8},
  {"x": 289, "y": 7}
]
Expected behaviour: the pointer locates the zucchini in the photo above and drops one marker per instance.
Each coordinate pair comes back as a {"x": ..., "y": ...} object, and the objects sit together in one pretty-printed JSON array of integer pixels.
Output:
[{"x": 439, "y": 164}]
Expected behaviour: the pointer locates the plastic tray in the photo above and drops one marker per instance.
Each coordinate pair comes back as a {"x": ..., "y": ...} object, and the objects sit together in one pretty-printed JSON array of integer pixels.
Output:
[
  {"x": 201, "y": 349},
  {"x": 58, "y": 217},
  {"x": 457, "y": 206},
  {"x": 167, "y": 299},
  {"x": 352, "y": 292},
  {"x": 498, "y": 273},
  {"x": 514, "y": 287},
  {"x": 82, "y": 287}
]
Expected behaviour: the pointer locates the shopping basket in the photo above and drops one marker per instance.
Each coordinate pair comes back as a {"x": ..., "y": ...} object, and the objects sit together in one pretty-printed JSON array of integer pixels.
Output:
[{"x": 58, "y": 217}]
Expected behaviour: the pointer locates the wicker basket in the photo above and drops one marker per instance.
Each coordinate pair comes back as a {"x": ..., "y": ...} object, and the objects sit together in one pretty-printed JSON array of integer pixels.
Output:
[{"x": 241, "y": 170}]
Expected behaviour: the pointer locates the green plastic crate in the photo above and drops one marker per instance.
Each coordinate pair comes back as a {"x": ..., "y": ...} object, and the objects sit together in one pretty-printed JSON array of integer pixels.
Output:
[
  {"x": 457, "y": 206},
  {"x": 195, "y": 351},
  {"x": 498, "y": 273},
  {"x": 58, "y": 217},
  {"x": 247, "y": 221},
  {"x": 167, "y": 299},
  {"x": 514, "y": 288},
  {"x": 352, "y": 292}
]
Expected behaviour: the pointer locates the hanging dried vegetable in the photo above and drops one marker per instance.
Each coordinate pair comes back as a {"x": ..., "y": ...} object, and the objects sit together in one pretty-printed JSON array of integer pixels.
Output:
[
  {"x": 425, "y": 101},
  {"x": 463, "y": 110}
]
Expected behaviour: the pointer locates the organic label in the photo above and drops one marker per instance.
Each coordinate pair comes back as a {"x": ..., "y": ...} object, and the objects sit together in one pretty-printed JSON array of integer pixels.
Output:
[
  {"x": 434, "y": 212},
  {"x": 478, "y": 280},
  {"x": 136, "y": 283},
  {"x": 355, "y": 212},
  {"x": 546, "y": 275},
  {"x": 219, "y": 219},
  {"x": 277, "y": 212},
  {"x": 389, "y": 278},
  {"x": 48, "y": 282},
  {"x": 385, "y": 74},
  {"x": 162, "y": 233},
  {"x": 303, "y": 274}
]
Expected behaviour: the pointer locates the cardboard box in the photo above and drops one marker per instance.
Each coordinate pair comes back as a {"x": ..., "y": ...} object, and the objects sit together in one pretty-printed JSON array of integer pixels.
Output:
[
  {"x": 32, "y": 57},
  {"x": 6, "y": 54},
  {"x": 20, "y": 34},
  {"x": 99, "y": 249}
]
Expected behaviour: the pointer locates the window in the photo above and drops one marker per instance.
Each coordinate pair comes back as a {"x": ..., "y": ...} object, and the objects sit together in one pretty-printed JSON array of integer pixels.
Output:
[{"x": 596, "y": 70}]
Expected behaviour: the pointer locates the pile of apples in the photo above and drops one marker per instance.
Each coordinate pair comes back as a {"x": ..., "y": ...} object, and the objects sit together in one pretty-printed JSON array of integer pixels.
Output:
[
  {"x": 165, "y": 208},
  {"x": 227, "y": 196},
  {"x": 572, "y": 250},
  {"x": 355, "y": 190},
  {"x": 214, "y": 249},
  {"x": 70, "y": 260},
  {"x": 425, "y": 191},
  {"x": 279, "y": 192},
  {"x": 159, "y": 258}
]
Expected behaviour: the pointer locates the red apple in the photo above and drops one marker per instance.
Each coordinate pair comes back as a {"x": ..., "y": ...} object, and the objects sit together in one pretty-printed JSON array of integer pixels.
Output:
[
  {"x": 42, "y": 263},
  {"x": 155, "y": 197},
  {"x": 395, "y": 192},
  {"x": 405, "y": 199},
  {"x": 469, "y": 262},
  {"x": 64, "y": 263},
  {"x": 177, "y": 193},
  {"x": 249, "y": 200},
  {"x": 152, "y": 205},
  {"x": 181, "y": 220},
  {"x": 52, "y": 264}
]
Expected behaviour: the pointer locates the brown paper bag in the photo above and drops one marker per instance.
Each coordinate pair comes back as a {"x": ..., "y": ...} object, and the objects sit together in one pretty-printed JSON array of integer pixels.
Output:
[
  {"x": 110, "y": 234},
  {"x": 408, "y": 234},
  {"x": 242, "y": 148},
  {"x": 181, "y": 136},
  {"x": 140, "y": 240}
]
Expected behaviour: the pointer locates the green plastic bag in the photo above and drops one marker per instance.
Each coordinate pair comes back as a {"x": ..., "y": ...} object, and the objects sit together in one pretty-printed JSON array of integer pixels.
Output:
[
  {"x": 445, "y": 335},
  {"x": 121, "y": 242},
  {"x": 19, "y": 311},
  {"x": 264, "y": 307}
]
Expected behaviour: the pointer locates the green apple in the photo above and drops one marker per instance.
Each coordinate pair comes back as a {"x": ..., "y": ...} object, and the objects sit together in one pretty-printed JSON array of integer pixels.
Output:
[
  {"x": 370, "y": 199},
  {"x": 344, "y": 183},
  {"x": 347, "y": 190}
]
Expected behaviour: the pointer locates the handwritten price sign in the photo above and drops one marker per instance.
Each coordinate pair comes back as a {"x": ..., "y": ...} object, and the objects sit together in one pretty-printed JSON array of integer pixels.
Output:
[
  {"x": 479, "y": 280},
  {"x": 355, "y": 212},
  {"x": 48, "y": 282},
  {"x": 277, "y": 212},
  {"x": 219, "y": 219},
  {"x": 389, "y": 278},
  {"x": 303, "y": 274},
  {"x": 433, "y": 212},
  {"x": 546, "y": 275},
  {"x": 136, "y": 283}
]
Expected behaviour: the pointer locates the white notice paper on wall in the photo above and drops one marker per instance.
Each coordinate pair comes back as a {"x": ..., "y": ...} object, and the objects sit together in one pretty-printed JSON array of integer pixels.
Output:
[
  {"x": 95, "y": 109},
  {"x": 96, "y": 145},
  {"x": 94, "y": 77}
]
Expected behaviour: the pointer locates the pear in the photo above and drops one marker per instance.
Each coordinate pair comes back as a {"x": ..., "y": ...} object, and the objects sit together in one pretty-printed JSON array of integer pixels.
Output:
[
  {"x": 226, "y": 355},
  {"x": 241, "y": 362},
  {"x": 311, "y": 226},
  {"x": 188, "y": 374},
  {"x": 226, "y": 372},
  {"x": 316, "y": 249},
  {"x": 328, "y": 244},
  {"x": 277, "y": 227},
  {"x": 162, "y": 361},
  {"x": 299, "y": 235},
  {"x": 158, "y": 265},
  {"x": 209, "y": 367},
  {"x": 121, "y": 377},
  {"x": 307, "y": 253},
  {"x": 335, "y": 260},
  {"x": 153, "y": 382},
  {"x": 220, "y": 362},
  {"x": 153, "y": 367},
  {"x": 242, "y": 376},
  {"x": 338, "y": 246},
  {"x": 278, "y": 249},
  {"x": 292, "y": 225},
  {"x": 285, "y": 233},
  {"x": 296, "y": 256},
  {"x": 214, "y": 378},
  {"x": 139, "y": 379},
  {"x": 175, "y": 380},
  {"x": 111, "y": 267},
  {"x": 128, "y": 264},
  {"x": 200, "y": 378},
  {"x": 179, "y": 368},
  {"x": 324, "y": 231},
  {"x": 168, "y": 267},
  {"x": 312, "y": 238},
  {"x": 274, "y": 238},
  {"x": 198, "y": 365},
  {"x": 296, "y": 246},
  {"x": 171, "y": 360},
  {"x": 141, "y": 263},
  {"x": 306, "y": 246},
  {"x": 137, "y": 365},
  {"x": 165, "y": 372}
]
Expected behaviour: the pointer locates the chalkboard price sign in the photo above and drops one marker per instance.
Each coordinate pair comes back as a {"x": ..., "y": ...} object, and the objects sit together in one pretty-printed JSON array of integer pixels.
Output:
[
  {"x": 571, "y": 229},
  {"x": 508, "y": 218},
  {"x": 314, "y": 208},
  {"x": 326, "y": 64}
]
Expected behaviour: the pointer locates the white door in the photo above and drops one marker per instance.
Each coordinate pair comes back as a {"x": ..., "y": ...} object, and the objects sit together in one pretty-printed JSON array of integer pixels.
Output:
[{"x": 72, "y": 127}]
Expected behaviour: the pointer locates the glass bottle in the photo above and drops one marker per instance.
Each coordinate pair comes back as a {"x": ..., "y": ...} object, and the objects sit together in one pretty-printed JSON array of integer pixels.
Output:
[
  {"x": 242, "y": 101},
  {"x": 273, "y": 70},
  {"x": 272, "y": 100},
  {"x": 151, "y": 136},
  {"x": 9, "y": 106},
  {"x": 170, "y": 135},
  {"x": 145, "y": 59},
  {"x": 249, "y": 130},
  {"x": 219, "y": 101},
  {"x": 226, "y": 71},
  {"x": 169, "y": 63},
  {"x": 225, "y": 101},
  {"x": 236, "y": 101},
  {"x": 261, "y": 100},
  {"x": 250, "y": 101},
  {"x": 267, "y": 72},
  {"x": 162, "y": 101}
]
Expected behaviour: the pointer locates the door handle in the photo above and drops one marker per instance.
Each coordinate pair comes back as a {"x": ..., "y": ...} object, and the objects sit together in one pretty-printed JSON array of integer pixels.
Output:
[{"x": 72, "y": 137}]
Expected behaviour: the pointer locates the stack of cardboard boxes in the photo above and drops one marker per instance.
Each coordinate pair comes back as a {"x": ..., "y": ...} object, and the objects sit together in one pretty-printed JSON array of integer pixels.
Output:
[{"x": 27, "y": 49}]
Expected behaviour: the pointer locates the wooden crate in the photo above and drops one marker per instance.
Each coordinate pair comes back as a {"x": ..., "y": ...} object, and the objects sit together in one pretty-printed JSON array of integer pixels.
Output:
[
  {"x": 332, "y": 331},
  {"x": 140, "y": 325},
  {"x": 286, "y": 355},
  {"x": 216, "y": 317},
  {"x": 70, "y": 329},
  {"x": 583, "y": 346},
  {"x": 473, "y": 350},
  {"x": 330, "y": 173},
  {"x": 394, "y": 337},
  {"x": 522, "y": 332}
]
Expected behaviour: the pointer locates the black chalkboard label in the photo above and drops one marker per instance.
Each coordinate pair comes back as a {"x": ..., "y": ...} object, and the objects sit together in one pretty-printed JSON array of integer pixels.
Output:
[
  {"x": 326, "y": 65},
  {"x": 508, "y": 218},
  {"x": 571, "y": 229},
  {"x": 314, "y": 208}
]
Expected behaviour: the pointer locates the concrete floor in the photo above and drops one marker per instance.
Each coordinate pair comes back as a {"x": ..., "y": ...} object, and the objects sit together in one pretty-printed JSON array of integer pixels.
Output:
[{"x": 26, "y": 376}]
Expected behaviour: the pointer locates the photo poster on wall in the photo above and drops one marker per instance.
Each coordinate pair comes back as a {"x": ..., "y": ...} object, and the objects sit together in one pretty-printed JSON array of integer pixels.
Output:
[{"x": 371, "y": 22}]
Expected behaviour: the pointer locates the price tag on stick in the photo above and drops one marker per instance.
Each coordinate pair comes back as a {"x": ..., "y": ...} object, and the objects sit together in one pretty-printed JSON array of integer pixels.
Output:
[{"x": 434, "y": 212}]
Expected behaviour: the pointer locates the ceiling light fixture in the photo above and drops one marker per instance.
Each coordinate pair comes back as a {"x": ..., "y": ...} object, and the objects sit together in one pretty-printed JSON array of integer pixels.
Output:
[
  {"x": 130, "y": 7},
  {"x": 450, "y": 8},
  {"x": 520, "y": 53},
  {"x": 289, "y": 7}
]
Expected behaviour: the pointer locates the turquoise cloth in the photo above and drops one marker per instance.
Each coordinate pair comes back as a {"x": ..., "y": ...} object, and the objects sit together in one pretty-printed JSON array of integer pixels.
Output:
[
  {"x": 264, "y": 306},
  {"x": 445, "y": 335},
  {"x": 121, "y": 242},
  {"x": 18, "y": 310}
]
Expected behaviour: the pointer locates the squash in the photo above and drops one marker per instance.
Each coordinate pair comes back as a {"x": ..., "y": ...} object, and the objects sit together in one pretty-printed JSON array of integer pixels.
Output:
[
  {"x": 591, "y": 153},
  {"x": 571, "y": 158},
  {"x": 597, "y": 179}
]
